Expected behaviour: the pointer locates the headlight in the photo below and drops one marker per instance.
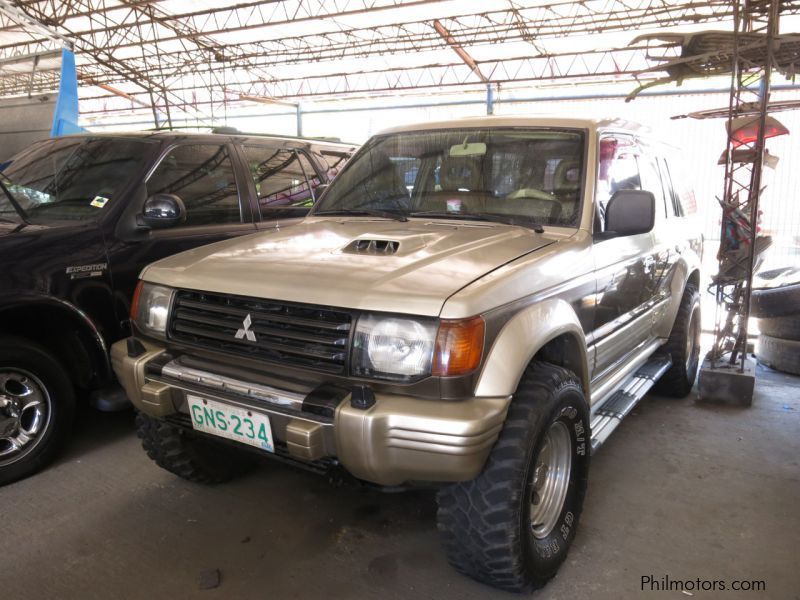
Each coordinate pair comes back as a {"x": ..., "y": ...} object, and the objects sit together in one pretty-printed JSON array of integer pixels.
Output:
[
  {"x": 393, "y": 347},
  {"x": 404, "y": 349},
  {"x": 150, "y": 308}
]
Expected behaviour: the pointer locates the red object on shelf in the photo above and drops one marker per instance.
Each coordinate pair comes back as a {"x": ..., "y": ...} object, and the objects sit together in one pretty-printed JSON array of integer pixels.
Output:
[{"x": 744, "y": 130}]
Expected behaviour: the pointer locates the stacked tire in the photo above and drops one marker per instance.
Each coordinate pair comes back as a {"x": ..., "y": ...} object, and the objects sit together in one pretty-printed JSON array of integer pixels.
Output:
[{"x": 778, "y": 313}]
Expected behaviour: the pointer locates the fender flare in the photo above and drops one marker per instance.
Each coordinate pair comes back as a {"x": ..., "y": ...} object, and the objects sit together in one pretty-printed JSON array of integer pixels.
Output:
[
  {"x": 522, "y": 337},
  {"x": 72, "y": 311},
  {"x": 684, "y": 269}
]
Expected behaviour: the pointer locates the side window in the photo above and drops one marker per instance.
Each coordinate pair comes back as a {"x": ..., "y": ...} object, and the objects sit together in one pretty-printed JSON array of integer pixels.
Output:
[
  {"x": 673, "y": 204},
  {"x": 333, "y": 161},
  {"x": 685, "y": 201},
  {"x": 312, "y": 176},
  {"x": 280, "y": 177},
  {"x": 651, "y": 182},
  {"x": 201, "y": 175},
  {"x": 618, "y": 169}
]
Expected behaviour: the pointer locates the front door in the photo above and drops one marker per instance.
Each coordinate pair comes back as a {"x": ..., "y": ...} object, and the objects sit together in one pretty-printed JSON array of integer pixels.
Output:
[
  {"x": 217, "y": 205},
  {"x": 625, "y": 266}
]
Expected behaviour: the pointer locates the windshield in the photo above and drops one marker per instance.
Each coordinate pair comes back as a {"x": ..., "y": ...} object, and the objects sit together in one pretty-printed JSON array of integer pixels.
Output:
[
  {"x": 68, "y": 179},
  {"x": 531, "y": 175}
]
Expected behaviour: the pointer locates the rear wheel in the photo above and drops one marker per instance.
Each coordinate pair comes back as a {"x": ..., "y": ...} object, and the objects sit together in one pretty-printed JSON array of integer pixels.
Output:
[
  {"x": 511, "y": 527},
  {"x": 192, "y": 458},
  {"x": 37, "y": 407},
  {"x": 683, "y": 347}
]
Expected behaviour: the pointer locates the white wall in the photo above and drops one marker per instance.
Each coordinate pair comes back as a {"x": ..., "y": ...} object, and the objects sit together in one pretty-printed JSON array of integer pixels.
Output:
[{"x": 24, "y": 120}]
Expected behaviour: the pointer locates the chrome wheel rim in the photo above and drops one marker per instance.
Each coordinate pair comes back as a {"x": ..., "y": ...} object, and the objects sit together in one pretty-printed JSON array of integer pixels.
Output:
[
  {"x": 550, "y": 482},
  {"x": 693, "y": 340},
  {"x": 24, "y": 413}
]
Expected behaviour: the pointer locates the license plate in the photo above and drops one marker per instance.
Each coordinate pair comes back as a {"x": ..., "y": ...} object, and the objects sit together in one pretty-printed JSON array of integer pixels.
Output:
[{"x": 231, "y": 422}]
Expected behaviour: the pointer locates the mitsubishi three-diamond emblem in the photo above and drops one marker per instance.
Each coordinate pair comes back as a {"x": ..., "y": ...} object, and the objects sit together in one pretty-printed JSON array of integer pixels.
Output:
[{"x": 245, "y": 330}]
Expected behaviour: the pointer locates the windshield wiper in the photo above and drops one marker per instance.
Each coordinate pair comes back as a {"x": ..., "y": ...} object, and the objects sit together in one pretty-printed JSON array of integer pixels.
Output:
[
  {"x": 372, "y": 212},
  {"x": 12, "y": 200},
  {"x": 491, "y": 217}
]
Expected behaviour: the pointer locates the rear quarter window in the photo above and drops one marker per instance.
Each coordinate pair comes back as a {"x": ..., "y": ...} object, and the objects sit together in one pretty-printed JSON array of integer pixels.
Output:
[
  {"x": 685, "y": 200},
  {"x": 332, "y": 161}
]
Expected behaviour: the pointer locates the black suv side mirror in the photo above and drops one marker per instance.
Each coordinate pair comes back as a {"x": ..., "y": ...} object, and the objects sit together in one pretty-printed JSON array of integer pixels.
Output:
[
  {"x": 162, "y": 211},
  {"x": 630, "y": 212}
]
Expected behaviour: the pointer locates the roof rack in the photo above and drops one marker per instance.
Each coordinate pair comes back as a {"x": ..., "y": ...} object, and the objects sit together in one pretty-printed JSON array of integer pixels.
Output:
[{"x": 228, "y": 130}]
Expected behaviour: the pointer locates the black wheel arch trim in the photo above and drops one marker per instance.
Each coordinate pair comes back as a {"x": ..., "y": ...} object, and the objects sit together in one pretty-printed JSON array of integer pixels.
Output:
[{"x": 100, "y": 346}]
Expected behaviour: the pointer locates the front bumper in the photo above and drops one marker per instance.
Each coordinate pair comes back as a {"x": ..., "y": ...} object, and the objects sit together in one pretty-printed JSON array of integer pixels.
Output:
[{"x": 398, "y": 439}]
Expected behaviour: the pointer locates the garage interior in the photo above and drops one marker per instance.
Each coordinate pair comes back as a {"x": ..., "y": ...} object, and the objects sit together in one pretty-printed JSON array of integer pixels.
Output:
[{"x": 684, "y": 489}]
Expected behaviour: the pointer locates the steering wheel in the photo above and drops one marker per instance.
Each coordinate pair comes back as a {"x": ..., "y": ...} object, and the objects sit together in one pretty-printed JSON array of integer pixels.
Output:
[{"x": 530, "y": 193}]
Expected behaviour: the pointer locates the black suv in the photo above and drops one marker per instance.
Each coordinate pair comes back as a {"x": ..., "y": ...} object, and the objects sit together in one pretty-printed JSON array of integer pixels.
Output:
[{"x": 80, "y": 217}]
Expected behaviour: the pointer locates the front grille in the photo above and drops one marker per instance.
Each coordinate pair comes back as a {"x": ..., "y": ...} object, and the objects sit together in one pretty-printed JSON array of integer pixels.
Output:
[{"x": 285, "y": 333}]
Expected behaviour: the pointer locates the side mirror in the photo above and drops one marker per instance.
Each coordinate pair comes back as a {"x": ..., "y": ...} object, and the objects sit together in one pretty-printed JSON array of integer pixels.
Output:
[
  {"x": 630, "y": 212},
  {"x": 162, "y": 211}
]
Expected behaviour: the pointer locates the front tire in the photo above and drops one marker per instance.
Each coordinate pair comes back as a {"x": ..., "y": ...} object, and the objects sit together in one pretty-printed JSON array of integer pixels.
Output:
[
  {"x": 37, "y": 408},
  {"x": 511, "y": 527},
  {"x": 189, "y": 457}
]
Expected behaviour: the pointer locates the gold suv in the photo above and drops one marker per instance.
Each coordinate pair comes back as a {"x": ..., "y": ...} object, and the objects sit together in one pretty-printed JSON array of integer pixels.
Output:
[{"x": 474, "y": 303}]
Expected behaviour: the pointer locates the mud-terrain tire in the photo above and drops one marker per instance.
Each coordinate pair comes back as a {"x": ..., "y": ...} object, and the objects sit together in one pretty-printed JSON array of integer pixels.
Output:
[
  {"x": 782, "y": 355},
  {"x": 485, "y": 524},
  {"x": 785, "y": 328},
  {"x": 189, "y": 457},
  {"x": 767, "y": 303},
  {"x": 37, "y": 408},
  {"x": 683, "y": 346}
]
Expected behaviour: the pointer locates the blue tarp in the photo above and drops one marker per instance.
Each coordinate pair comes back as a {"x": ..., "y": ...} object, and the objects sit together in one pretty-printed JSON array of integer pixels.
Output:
[{"x": 65, "y": 117}]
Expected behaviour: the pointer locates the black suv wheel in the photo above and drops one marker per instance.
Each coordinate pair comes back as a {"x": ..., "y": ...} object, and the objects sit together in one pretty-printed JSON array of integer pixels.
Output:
[{"x": 37, "y": 407}]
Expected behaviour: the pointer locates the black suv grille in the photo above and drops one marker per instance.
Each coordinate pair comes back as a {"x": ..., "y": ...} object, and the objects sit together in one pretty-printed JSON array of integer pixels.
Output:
[{"x": 290, "y": 334}]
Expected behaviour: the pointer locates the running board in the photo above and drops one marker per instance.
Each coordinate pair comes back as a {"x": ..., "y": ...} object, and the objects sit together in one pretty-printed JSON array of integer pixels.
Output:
[{"x": 620, "y": 403}]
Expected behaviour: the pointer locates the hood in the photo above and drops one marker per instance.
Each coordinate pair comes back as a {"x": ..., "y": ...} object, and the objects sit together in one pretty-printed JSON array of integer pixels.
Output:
[
  {"x": 410, "y": 267},
  {"x": 26, "y": 238},
  {"x": 7, "y": 228}
]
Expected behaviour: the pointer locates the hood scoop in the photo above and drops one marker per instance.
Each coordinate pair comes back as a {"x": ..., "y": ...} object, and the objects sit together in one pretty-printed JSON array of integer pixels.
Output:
[{"x": 372, "y": 246}]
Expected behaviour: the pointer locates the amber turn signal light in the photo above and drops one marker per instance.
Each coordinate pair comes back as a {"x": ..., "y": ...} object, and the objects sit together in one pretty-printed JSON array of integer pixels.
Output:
[
  {"x": 135, "y": 302},
  {"x": 459, "y": 346}
]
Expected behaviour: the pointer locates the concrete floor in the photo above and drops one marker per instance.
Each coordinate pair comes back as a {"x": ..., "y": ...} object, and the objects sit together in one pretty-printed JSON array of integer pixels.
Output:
[{"x": 681, "y": 489}]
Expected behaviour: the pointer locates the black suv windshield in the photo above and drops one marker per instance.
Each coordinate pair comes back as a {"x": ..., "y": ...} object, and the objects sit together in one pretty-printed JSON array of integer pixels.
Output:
[
  {"x": 68, "y": 179},
  {"x": 522, "y": 176}
]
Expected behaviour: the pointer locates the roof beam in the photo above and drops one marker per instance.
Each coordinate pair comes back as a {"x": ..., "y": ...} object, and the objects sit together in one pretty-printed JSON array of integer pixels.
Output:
[
  {"x": 458, "y": 49},
  {"x": 135, "y": 46},
  {"x": 22, "y": 58},
  {"x": 103, "y": 56},
  {"x": 622, "y": 64},
  {"x": 19, "y": 16},
  {"x": 468, "y": 27}
]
